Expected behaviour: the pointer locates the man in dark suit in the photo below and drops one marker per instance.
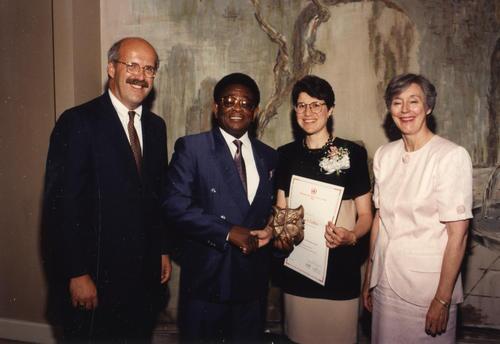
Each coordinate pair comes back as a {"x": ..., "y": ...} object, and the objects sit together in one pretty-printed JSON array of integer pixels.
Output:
[
  {"x": 105, "y": 173},
  {"x": 219, "y": 197}
]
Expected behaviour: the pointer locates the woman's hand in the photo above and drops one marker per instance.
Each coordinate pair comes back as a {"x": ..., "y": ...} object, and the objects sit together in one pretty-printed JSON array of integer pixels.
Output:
[
  {"x": 166, "y": 268},
  {"x": 366, "y": 292},
  {"x": 263, "y": 235},
  {"x": 367, "y": 295},
  {"x": 437, "y": 315},
  {"x": 339, "y": 236},
  {"x": 437, "y": 318}
]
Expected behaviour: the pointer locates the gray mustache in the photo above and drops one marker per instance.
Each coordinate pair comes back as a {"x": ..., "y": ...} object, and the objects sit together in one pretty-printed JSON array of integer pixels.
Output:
[{"x": 137, "y": 82}]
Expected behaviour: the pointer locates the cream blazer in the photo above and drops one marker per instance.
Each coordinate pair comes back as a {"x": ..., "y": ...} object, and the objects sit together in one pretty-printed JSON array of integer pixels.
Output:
[{"x": 415, "y": 193}]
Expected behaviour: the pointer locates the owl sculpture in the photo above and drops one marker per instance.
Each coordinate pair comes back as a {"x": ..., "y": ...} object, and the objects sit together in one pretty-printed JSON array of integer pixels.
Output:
[{"x": 288, "y": 227}]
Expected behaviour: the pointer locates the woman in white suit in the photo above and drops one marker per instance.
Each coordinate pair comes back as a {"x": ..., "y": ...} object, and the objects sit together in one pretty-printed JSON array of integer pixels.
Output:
[{"x": 423, "y": 196}]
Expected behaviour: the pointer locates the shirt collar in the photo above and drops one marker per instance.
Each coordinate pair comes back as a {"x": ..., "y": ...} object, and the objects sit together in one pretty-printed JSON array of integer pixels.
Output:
[
  {"x": 245, "y": 139},
  {"x": 122, "y": 109}
]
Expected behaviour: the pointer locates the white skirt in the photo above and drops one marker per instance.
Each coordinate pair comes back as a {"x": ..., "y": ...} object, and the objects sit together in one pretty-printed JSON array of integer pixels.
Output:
[
  {"x": 396, "y": 321},
  {"x": 317, "y": 321}
]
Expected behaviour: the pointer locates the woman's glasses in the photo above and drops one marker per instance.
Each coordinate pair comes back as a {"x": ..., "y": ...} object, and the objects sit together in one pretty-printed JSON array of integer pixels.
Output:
[{"x": 314, "y": 107}]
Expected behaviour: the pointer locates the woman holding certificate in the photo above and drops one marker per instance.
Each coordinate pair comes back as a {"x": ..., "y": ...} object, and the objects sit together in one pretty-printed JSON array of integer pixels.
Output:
[
  {"x": 315, "y": 313},
  {"x": 423, "y": 196}
]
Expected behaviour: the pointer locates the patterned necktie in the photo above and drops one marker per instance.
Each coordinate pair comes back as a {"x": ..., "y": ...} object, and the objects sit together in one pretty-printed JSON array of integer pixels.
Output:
[
  {"x": 240, "y": 164},
  {"x": 134, "y": 141}
]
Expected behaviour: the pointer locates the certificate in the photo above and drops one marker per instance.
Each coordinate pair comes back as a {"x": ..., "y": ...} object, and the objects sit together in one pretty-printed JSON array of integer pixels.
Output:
[{"x": 321, "y": 202}]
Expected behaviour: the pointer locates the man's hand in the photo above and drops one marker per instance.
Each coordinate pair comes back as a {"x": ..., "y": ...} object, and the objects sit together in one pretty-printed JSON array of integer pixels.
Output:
[
  {"x": 166, "y": 268},
  {"x": 83, "y": 292},
  {"x": 241, "y": 238}
]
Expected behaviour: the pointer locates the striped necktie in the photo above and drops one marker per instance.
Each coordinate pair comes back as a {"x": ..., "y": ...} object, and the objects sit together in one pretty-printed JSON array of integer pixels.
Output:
[
  {"x": 134, "y": 141},
  {"x": 240, "y": 164}
]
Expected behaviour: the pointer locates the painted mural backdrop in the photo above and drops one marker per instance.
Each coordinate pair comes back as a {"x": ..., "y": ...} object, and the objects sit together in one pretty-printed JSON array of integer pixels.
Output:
[{"x": 357, "y": 46}]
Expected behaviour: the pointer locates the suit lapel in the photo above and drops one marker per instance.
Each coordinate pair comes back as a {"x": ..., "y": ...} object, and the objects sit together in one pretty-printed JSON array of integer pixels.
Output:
[
  {"x": 147, "y": 141},
  {"x": 114, "y": 128},
  {"x": 228, "y": 169}
]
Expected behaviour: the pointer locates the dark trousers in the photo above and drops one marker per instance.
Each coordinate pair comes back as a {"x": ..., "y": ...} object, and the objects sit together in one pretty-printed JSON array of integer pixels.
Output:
[
  {"x": 240, "y": 322},
  {"x": 116, "y": 324}
]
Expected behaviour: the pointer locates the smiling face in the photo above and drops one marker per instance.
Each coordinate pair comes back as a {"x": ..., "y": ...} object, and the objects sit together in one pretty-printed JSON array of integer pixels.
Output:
[
  {"x": 131, "y": 89},
  {"x": 312, "y": 123},
  {"x": 409, "y": 110},
  {"x": 235, "y": 119}
]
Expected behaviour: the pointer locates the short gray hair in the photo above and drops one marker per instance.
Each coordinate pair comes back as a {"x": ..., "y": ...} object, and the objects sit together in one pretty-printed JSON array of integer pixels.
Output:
[{"x": 401, "y": 82}]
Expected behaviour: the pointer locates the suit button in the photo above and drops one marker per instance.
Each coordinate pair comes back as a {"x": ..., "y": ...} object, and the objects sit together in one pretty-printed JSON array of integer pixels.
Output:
[
  {"x": 212, "y": 190},
  {"x": 223, "y": 217}
]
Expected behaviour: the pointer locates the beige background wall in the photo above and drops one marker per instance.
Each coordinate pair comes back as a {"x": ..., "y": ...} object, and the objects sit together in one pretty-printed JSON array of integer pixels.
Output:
[
  {"x": 50, "y": 60},
  {"x": 27, "y": 92}
]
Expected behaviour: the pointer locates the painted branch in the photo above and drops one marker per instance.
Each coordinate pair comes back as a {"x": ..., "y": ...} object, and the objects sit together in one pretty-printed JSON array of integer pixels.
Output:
[{"x": 283, "y": 79}]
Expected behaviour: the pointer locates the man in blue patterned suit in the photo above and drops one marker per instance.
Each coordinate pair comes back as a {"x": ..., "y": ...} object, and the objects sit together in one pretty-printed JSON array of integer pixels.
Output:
[{"x": 220, "y": 190}]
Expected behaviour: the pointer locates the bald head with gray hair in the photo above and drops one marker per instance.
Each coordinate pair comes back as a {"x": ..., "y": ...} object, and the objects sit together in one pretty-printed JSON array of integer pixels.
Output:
[{"x": 114, "y": 51}]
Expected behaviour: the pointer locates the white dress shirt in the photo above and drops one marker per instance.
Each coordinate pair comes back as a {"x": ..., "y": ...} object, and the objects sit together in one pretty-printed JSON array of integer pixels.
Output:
[
  {"x": 250, "y": 167},
  {"x": 122, "y": 111}
]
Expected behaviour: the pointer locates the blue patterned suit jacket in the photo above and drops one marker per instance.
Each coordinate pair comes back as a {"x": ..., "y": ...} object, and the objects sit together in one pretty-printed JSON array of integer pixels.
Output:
[{"x": 204, "y": 198}]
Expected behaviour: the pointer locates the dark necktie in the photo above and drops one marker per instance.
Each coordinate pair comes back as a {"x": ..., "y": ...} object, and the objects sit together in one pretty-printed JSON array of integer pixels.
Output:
[
  {"x": 240, "y": 164},
  {"x": 134, "y": 141}
]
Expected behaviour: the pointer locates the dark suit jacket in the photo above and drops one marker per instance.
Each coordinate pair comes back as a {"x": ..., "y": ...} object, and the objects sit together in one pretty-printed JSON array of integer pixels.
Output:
[
  {"x": 204, "y": 198},
  {"x": 104, "y": 219}
]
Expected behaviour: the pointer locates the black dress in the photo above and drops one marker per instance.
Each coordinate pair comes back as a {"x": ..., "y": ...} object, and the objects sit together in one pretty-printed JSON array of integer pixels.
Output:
[{"x": 343, "y": 274}]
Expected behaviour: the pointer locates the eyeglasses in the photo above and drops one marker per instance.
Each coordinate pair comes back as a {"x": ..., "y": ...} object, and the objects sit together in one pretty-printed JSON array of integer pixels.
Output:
[
  {"x": 315, "y": 107},
  {"x": 135, "y": 68},
  {"x": 230, "y": 102}
]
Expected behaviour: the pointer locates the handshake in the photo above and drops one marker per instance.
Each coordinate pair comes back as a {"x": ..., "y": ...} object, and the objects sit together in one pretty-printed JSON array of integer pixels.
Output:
[{"x": 286, "y": 226}]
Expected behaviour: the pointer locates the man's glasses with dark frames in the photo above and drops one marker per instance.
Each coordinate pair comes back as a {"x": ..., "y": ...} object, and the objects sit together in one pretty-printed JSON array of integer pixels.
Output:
[
  {"x": 230, "y": 102},
  {"x": 135, "y": 68}
]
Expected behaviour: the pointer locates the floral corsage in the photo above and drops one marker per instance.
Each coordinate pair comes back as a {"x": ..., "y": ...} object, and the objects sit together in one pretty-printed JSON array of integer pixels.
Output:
[{"x": 335, "y": 160}]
